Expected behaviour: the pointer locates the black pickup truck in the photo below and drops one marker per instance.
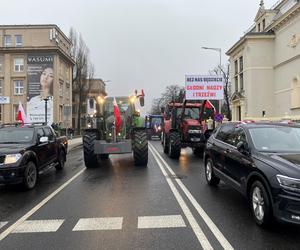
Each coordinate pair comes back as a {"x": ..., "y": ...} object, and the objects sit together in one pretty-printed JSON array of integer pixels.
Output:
[{"x": 27, "y": 150}]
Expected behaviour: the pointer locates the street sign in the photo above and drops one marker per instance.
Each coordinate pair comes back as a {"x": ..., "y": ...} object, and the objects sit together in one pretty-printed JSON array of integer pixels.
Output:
[
  {"x": 203, "y": 87},
  {"x": 4, "y": 100}
]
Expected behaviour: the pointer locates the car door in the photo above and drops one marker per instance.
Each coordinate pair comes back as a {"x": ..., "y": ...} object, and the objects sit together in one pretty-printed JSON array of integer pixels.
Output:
[
  {"x": 51, "y": 145},
  {"x": 238, "y": 165},
  {"x": 41, "y": 148},
  {"x": 220, "y": 148}
]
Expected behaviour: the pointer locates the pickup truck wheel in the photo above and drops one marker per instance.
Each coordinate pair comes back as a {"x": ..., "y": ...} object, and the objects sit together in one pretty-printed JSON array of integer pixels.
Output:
[
  {"x": 30, "y": 176},
  {"x": 61, "y": 161}
]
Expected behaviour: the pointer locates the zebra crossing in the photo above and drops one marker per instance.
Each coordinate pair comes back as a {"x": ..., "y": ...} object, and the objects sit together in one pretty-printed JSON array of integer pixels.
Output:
[{"x": 98, "y": 224}]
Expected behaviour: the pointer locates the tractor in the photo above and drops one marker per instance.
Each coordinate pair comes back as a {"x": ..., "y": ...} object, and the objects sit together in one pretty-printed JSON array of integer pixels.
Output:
[
  {"x": 102, "y": 138},
  {"x": 154, "y": 126},
  {"x": 184, "y": 126}
]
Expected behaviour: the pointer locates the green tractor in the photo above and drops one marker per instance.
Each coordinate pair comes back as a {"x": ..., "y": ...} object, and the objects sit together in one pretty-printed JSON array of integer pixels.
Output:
[{"x": 102, "y": 138}]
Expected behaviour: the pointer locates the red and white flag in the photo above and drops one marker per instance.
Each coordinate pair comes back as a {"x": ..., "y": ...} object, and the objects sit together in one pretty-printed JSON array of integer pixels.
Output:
[
  {"x": 118, "y": 120},
  {"x": 209, "y": 105},
  {"x": 22, "y": 115}
]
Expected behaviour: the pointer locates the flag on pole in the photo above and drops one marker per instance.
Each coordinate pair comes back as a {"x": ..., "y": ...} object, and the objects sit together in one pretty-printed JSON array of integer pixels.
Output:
[
  {"x": 22, "y": 115},
  {"x": 209, "y": 105},
  {"x": 118, "y": 120}
]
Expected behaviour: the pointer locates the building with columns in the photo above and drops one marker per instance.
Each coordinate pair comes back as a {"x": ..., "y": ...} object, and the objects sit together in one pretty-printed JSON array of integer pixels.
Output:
[
  {"x": 265, "y": 65},
  {"x": 35, "y": 64}
]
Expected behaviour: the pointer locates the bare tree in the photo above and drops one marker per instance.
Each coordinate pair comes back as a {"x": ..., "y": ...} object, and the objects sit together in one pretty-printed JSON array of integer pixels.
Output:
[
  {"x": 83, "y": 72},
  {"x": 172, "y": 93},
  {"x": 227, "y": 88}
]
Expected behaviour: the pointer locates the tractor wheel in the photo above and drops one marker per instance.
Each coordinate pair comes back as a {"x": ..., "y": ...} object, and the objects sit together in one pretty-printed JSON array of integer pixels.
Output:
[
  {"x": 104, "y": 157},
  {"x": 198, "y": 151},
  {"x": 174, "y": 145},
  {"x": 165, "y": 143},
  {"x": 140, "y": 148},
  {"x": 90, "y": 158}
]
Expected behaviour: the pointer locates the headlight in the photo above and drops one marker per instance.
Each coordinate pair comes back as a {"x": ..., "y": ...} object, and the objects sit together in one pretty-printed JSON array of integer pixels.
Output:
[
  {"x": 288, "y": 183},
  {"x": 10, "y": 159},
  {"x": 194, "y": 131}
]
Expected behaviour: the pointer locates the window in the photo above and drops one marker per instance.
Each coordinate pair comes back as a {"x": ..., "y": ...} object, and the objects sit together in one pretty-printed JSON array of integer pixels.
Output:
[
  {"x": 236, "y": 136},
  {"x": 263, "y": 24},
  {"x": 19, "y": 64},
  {"x": 18, "y": 40},
  {"x": 241, "y": 64},
  {"x": 7, "y": 41},
  {"x": 68, "y": 91},
  {"x": 224, "y": 132},
  {"x": 258, "y": 27},
  {"x": 235, "y": 67},
  {"x": 61, "y": 89},
  {"x": 49, "y": 134},
  {"x": 40, "y": 133},
  {"x": 1, "y": 87},
  {"x": 236, "y": 83},
  {"x": 1, "y": 63},
  {"x": 241, "y": 82},
  {"x": 19, "y": 87},
  {"x": 1, "y": 112},
  {"x": 60, "y": 113}
]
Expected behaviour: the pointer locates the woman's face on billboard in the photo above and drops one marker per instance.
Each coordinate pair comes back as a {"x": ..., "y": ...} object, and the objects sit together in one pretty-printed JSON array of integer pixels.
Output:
[{"x": 47, "y": 78}]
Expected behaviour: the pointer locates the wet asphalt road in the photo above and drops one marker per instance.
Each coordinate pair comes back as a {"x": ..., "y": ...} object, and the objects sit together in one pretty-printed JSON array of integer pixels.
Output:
[{"x": 119, "y": 192}]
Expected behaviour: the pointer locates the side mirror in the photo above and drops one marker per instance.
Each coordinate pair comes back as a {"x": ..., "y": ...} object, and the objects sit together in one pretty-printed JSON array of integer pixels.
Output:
[
  {"x": 243, "y": 148},
  {"x": 142, "y": 101},
  {"x": 44, "y": 139}
]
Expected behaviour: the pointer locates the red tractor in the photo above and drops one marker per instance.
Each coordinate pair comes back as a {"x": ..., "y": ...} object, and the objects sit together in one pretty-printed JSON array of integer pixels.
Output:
[{"x": 184, "y": 126}]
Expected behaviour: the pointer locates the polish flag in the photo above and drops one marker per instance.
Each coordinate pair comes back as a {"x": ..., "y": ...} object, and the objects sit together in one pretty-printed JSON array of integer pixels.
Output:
[
  {"x": 22, "y": 115},
  {"x": 118, "y": 120},
  {"x": 209, "y": 105}
]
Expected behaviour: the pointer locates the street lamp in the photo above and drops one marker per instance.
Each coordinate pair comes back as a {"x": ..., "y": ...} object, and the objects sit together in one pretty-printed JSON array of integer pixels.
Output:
[
  {"x": 220, "y": 52},
  {"x": 220, "y": 67},
  {"x": 46, "y": 103}
]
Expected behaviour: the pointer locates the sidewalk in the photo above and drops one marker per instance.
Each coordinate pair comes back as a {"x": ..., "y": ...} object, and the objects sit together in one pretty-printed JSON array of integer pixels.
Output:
[{"x": 74, "y": 143}]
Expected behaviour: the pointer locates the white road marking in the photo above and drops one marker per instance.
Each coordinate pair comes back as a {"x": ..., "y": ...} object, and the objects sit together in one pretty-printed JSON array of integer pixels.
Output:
[
  {"x": 214, "y": 229},
  {"x": 37, "y": 207},
  {"x": 38, "y": 226},
  {"x": 3, "y": 223},
  {"x": 164, "y": 221},
  {"x": 187, "y": 212},
  {"x": 109, "y": 223}
]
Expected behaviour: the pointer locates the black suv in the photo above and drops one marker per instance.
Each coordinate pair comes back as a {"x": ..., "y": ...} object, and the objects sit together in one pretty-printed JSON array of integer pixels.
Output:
[
  {"x": 26, "y": 150},
  {"x": 262, "y": 161}
]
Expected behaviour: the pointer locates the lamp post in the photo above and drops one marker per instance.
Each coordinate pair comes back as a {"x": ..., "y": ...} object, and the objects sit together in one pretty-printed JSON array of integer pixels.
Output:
[
  {"x": 46, "y": 104},
  {"x": 220, "y": 65}
]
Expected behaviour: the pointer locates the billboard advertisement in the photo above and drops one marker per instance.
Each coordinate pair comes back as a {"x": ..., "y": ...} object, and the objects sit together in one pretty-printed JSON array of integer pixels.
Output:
[
  {"x": 202, "y": 87},
  {"x": 40, "y": 87}
]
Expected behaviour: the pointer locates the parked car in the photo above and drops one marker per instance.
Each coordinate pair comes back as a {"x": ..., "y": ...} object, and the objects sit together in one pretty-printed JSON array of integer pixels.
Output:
[
  {"x": 262, "y": 161},
  {"x": 27, "y": 150}
]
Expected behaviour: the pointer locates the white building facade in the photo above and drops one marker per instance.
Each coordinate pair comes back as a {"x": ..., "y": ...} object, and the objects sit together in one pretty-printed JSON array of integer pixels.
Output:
[{"x": 265, "y": 65}]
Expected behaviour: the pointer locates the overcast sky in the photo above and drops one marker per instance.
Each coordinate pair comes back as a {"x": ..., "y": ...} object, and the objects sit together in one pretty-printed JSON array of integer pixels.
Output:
[{"x": 145, "y": 44}]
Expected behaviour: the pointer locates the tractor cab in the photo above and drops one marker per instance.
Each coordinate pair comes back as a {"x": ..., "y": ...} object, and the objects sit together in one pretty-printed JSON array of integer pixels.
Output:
[
  {"x": 184, "y": 126},
  {"x": 154, "y": 126}
]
